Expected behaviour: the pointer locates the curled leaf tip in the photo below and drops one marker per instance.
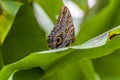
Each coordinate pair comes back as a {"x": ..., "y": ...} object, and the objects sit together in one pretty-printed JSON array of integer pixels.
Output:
[
  {"x": 113, "y": 35},
  {"x": 114, "y": 32}
]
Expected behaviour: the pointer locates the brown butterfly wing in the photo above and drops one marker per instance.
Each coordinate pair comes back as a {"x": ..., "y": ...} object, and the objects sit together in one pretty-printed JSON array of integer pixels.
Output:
[{"x": 62, "y": 34}]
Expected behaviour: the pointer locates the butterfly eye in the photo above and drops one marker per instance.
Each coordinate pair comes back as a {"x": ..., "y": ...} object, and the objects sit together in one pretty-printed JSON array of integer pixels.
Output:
[{"x": 59, "y": 40}]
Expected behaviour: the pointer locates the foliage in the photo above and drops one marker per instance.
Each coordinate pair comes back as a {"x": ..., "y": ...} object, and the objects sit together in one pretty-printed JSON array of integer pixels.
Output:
[{"x": 24, "y": 54}]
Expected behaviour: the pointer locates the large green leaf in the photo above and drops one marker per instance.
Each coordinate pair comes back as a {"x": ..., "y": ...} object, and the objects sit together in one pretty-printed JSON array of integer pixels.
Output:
[
  {"x": 102, "y": 21},
  {"x": 54, "y": 60},
  {"x": 24, "y": 37}
]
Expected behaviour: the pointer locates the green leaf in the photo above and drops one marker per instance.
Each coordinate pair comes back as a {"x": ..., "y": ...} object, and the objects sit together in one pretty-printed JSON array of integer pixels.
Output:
[
  {"x": 54, "y": 60},
  {"x": 83, "y": 4},
  {"x": 102, "y": 21},
  {"x": 29, "y": 74},
  {"x": 24, "y": 54},
  {"x": 108, "y": 66},
  {"x": 52, "y": 9},
  {"x": 25, "y": 37},
  {"x": 8, "y": 11},
  {"x": 88, "y": 70}
]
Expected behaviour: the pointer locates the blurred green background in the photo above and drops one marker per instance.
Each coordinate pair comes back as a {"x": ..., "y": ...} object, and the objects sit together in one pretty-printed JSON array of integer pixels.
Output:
[{"x": 25, "y": 25}]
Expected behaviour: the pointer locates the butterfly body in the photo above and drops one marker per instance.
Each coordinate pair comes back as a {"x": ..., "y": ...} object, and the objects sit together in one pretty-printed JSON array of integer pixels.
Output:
[{"x": 62, "y": 34}]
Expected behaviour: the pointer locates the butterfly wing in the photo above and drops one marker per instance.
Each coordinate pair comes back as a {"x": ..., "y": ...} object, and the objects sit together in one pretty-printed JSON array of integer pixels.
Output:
[{"x": 62, "y": 34}]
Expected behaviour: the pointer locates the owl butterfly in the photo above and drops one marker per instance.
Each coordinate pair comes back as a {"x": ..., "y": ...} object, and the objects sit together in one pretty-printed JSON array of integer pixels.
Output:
[{"x": 63, "y": 33}]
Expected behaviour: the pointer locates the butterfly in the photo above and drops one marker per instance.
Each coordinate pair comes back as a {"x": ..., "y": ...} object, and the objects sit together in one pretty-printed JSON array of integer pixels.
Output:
[{"x": 63, "y": 33}]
